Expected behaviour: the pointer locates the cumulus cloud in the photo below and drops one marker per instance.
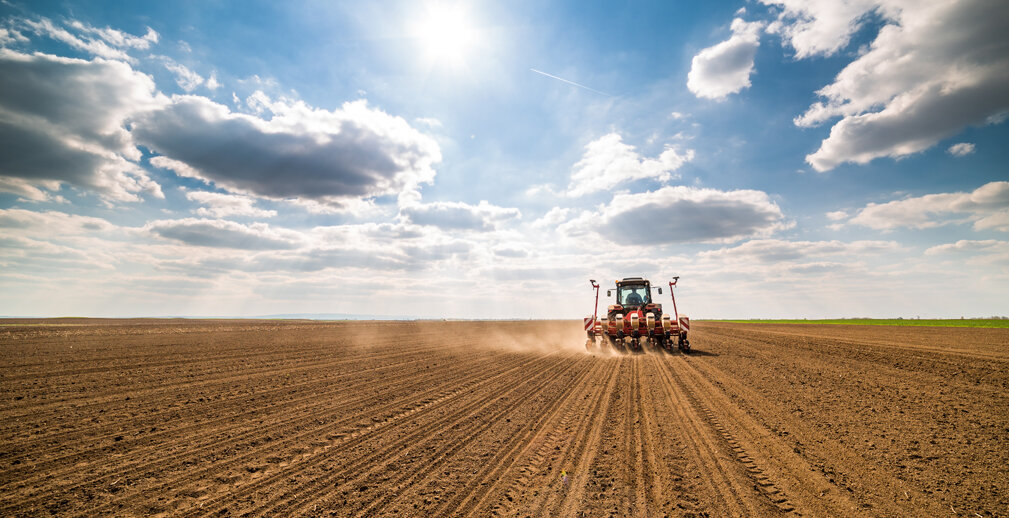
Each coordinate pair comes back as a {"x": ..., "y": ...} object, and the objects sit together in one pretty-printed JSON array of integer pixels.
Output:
[
  {"x": 31, "y": 191},
  {"x": 680, "y": 215},
  {"x": 62, "y": 121},
  {"x": 819, "y": 27},
  {"x": 968, "y": 245},
  {"x": 552, "y": 218},
  {"x": 608, "y": 162},
  {"x": 218, "y": 233},
  {"x": 459, "y": 215},
  {"x": 725, "y": 68},
  {"x": 987, "y": 207},
  {"x": 302, "y": 153},
  {"x": 50, "y": 223},
  {"x": 986, "y": 250},
  {"x": 934, "y": 68},
  {"x": 777, "y": 250},
  {"x": 961, "y": 149},
  {"x": 221, "y": 205}
]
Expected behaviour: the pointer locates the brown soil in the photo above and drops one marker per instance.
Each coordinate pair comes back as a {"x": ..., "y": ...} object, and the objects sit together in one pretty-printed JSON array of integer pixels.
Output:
[{"x": 279, "y": 418}]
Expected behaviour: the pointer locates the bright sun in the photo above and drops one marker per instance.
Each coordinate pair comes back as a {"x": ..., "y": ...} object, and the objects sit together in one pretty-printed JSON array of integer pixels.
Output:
[{"x": 446, "y": 34}]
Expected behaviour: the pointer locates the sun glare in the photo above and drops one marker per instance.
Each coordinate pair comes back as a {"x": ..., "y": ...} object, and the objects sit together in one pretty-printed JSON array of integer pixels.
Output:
[{"x": 446, "y": 34}]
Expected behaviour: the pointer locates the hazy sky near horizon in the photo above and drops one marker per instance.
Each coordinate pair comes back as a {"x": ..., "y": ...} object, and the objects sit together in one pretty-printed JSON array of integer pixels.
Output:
[{"x": 797, "y": 159}]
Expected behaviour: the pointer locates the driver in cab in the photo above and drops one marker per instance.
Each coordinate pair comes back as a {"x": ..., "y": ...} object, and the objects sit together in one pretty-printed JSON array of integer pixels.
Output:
[{"x": 634, "y": 298}]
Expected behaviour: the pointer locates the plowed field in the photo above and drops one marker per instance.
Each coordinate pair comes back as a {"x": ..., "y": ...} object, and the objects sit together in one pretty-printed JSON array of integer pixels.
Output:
[{"x": 279, "y": 418}]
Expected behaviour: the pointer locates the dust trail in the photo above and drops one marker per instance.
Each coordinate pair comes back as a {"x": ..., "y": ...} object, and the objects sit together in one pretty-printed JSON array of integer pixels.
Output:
[{"x": 546, "y": 336}]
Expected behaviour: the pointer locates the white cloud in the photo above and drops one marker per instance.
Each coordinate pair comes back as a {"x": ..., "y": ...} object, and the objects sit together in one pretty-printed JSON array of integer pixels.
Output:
[
  {"x": 996, "y": 221},
  {"x": 430, "y": 122},
  {"x": 934, "y": 68},
  {"x": 50, "y": 224},
  {"x": 725, "y": 68},
  {"x": 987, "y": 207},
  {"x": 184, "y": 77},
  {"x": 681, "y": 215},
  {"x": 819, "y": 27},
  {"x": 220, "y": 205},
  {"x": 300, "y": 153},
  {"x": 777, "y": 250},
  {"x": 105, "y": 43},
  {"x": 837, "y": 215},
  {"x": 552, "y": 218},
  {"x": 219, "y": 233},
  {"x": 212, "y": 83},
  {"x": 116, "y": 38},
  {"x": 961, "y": 149},
  {"x": 31, "y": 191},
  {"x": 62, "y": 121},
  {"x": 459, "y": 215},
  {"x": 968, "y": 245},
  {"x": 987, "y": 251},
  {"x": 10, "y": 36},
  {"x": 608, "y": 162}
]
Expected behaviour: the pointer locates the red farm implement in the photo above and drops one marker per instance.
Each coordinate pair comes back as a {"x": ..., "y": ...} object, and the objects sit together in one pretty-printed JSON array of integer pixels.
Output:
[{"x": 635, "y": 321}]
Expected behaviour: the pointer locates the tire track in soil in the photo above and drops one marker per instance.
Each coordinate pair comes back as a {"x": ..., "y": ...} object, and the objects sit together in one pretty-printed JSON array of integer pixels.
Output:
[
  {"x": 423, "y": 398},
  {"x": 726, "y": 485},
  {"x": 626, "y": 477},
  {"x": 297, "y": 499},
  {"x": 788, "y": 479}
]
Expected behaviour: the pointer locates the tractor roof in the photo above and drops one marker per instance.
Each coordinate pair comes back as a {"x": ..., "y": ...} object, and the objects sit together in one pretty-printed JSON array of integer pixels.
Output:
[{"x": 632, "y": 280}]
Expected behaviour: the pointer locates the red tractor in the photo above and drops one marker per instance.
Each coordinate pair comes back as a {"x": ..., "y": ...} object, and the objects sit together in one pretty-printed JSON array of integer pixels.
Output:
[{"x": 635, "y": 321}]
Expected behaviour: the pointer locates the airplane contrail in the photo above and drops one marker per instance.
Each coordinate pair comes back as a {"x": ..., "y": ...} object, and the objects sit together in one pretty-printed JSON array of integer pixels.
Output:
[{"x": 570, "y": 82}]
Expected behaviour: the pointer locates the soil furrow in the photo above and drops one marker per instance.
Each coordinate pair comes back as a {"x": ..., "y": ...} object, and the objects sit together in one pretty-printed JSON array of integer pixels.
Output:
[
  {"x": 107, "y": 433},
  {"x": 429, "y": 395},
  {"x": 503, "y": 418},
  {"x": 723, "y": 476},
  {"x": 297, "y": 498},
  {"x": 200, "y": 437},
  {"x": 493, "y": 470}
]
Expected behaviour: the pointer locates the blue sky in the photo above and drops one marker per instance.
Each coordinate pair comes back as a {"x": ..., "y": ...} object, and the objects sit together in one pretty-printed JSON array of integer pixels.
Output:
[{"x": 484, "y": 160}]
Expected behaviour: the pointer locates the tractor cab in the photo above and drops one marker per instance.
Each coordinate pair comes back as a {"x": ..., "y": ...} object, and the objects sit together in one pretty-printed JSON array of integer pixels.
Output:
[{"x": 633, "y": 292}]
